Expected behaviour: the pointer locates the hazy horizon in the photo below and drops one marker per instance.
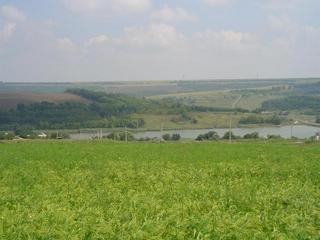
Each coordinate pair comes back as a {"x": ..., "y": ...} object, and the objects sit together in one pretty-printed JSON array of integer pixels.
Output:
[{"x": 163, "y": 81}]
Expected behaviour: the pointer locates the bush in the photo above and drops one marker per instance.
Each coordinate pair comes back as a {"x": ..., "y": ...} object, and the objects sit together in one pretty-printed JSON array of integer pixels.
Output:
[
  {"x": 200, "y": 137},
  {"x": 6, "y": 136},
  {"x": 251, "y": 120},
  {"x": 276, "y": 120},
  {"x": 210, "y": 136},
  {"x": 227, "y": 136},
  {"x": 166, "y": 137},
  {"x": 173, "y": 137},
  {"x": 146, "y": 139},
  {"x": 176, "y": 137},
  {"x": 274, "y": 137},
  {"x": 120, "y": 136},
  {"x": 254, "y": 135}
]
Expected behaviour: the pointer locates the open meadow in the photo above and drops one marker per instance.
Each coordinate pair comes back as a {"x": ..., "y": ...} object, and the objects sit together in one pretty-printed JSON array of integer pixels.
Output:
[{"x": 186, "y": 190}]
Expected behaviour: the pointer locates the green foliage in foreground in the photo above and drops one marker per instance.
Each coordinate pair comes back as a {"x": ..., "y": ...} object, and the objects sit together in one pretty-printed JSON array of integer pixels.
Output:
[{"x": 106, "y": 190}]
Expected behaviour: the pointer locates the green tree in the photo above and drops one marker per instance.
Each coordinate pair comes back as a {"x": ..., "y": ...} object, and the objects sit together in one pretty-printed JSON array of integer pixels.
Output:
[
  {"x": 254, "y": 135},
  {"x": 227, "y": 136},
  {"x": 176, "y": 137},
  {"x": 210, "y": 136},
  {"x": 166, "y": 137}
]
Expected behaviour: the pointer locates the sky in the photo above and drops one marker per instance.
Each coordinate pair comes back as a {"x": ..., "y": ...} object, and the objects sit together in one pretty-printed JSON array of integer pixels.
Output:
[{"x": 126, "y": 40}]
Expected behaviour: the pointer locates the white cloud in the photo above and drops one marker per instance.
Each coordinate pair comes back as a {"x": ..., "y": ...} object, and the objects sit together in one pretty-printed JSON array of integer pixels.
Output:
[
  {"x": 66, "y": 44},
  {"x": 167, "y": 14},
  {"x": 7, "y": 31},
  {"x": 9, "y": 17},
  {"x": 81, "y": 6},
  {"x": 155, "y": 35},
  {"x": 273, "y": 5},
  {"x": 230, "y": 40},
  {"x": 107, "y": 6},
  {"x": 216, "y": 2},
  {"x": 49, "y": 23},
  {"x": 97, "y": 40},
  {"x": 281, "y": 23},
  {"x": 130, "y": 5},
  {"x": 312, "y": 30},
  {"x": 281, "y": 4},
  {"x": 12, "y": 14}
]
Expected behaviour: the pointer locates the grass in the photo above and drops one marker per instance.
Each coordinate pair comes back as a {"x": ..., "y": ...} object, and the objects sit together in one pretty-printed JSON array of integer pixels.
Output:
[
  {"x": 251, "y": 99},
  {"x": 106, "y": 190},
  {"x": 204, "y": 98},
  {"x": 204, "y": 120}
]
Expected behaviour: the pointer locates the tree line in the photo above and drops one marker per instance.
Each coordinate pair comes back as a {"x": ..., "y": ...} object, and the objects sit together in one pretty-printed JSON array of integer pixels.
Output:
[
  {"x": 274, "y": 119},
  {"x": 292, "y": 103}
]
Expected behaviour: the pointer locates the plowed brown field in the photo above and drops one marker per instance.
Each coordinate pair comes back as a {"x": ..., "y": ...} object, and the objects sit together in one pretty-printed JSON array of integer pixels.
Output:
[{"x": 10, "y": 100}]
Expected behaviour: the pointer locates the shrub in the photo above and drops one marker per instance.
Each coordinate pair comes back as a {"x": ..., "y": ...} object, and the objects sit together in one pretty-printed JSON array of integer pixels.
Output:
[
  {"x": 120, "y": 136},
  {"x": 210, "y": 136},
  {"x": 253, "y": 135},
  {"x": 166, "y": 137},
  {"x": 274, "y": 137},
  {"x": 227, "y": 136},
  {"x": 6, "y": 136},
  {"x": 176, "y": 137}
]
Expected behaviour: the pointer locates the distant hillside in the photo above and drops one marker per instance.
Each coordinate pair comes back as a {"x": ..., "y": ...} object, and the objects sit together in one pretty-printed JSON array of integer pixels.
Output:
[
  {"x": 298, "y": 102},
  {"x": 81, "y": 108}
]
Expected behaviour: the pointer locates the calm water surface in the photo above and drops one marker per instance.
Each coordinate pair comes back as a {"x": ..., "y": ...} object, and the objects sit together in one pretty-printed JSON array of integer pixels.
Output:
[{"x": 298, "y": 131}]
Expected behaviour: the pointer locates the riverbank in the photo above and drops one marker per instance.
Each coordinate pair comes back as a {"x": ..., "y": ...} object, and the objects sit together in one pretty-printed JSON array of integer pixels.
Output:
[{"x": 288, "y": 131}]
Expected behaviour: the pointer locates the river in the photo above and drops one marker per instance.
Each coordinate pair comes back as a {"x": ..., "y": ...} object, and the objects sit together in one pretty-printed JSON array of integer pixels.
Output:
[{"x": 299, "y": 131}]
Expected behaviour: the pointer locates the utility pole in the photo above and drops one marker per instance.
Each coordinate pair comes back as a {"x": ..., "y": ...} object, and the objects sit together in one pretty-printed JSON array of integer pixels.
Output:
[
  {"x": 230, "y": 119},
  {"x": 126, "y": 133},
  {"x": 161, "y": 133},
  {"x": 292, "y": 125},
  {"x": 230, "y": 122}
]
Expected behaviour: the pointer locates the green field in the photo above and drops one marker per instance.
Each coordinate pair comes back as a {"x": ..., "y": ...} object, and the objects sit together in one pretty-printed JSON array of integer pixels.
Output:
[
  {"x": 106, "y": 190},
  {"x": 250, "y": 100},
  {"x": 204, "y": 120}
]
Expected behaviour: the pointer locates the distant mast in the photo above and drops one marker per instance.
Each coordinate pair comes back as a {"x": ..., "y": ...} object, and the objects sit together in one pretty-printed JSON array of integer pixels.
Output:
[{"x": 181, "y": 79}]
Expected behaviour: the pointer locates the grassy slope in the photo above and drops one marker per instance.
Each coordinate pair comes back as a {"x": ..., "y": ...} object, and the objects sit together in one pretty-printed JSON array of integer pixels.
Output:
[
  {"x": 104, "y": 190},
  {"x": 224, "y": 99},
  {"x": 205, "y": 120}
]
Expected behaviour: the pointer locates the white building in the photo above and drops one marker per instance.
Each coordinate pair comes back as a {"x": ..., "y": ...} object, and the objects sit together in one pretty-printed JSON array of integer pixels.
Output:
[{"x": 42, "y": 135}]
